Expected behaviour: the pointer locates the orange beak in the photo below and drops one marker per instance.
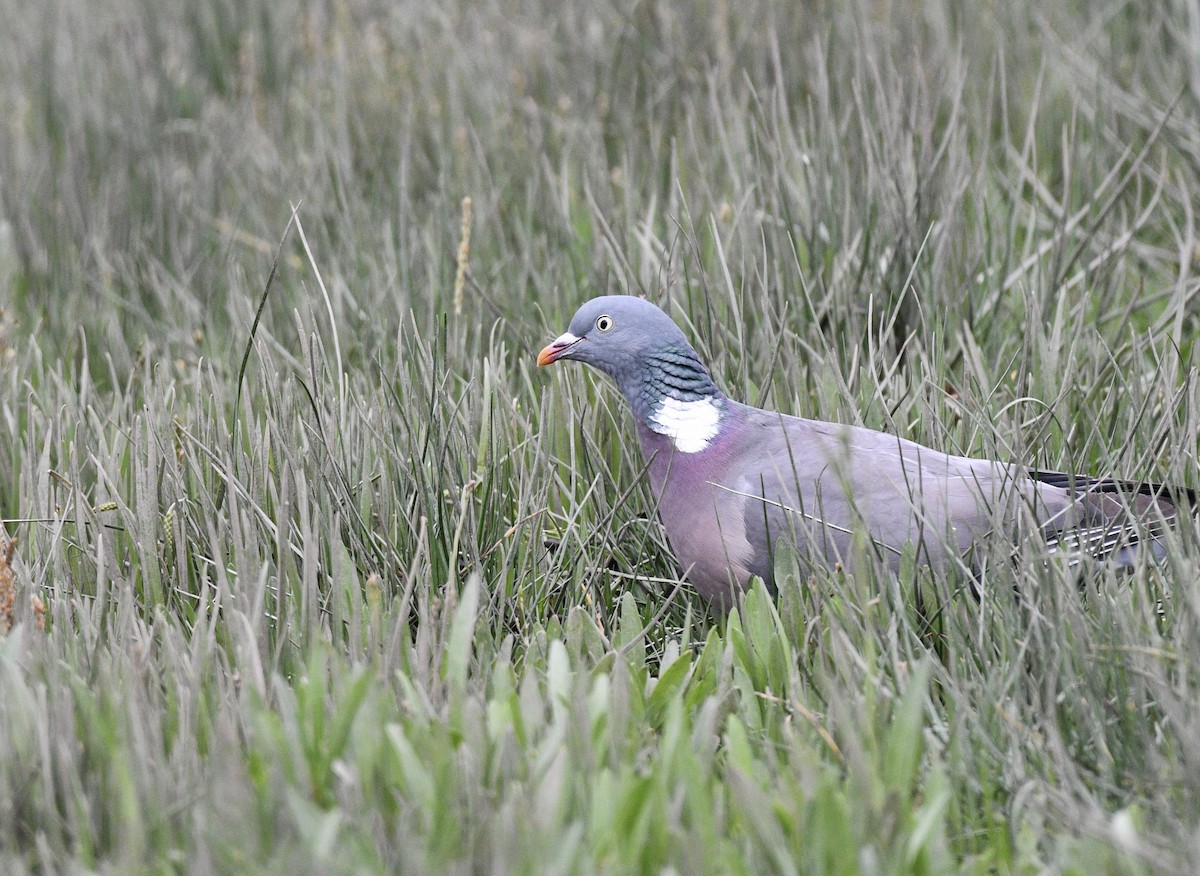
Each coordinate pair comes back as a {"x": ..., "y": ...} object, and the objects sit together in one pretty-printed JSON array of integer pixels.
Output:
[{"x": 555, "y": 351}]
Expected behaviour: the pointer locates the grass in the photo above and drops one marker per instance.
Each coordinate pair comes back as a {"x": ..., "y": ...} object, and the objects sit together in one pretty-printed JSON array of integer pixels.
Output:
[{"x": 384, "y": 598}]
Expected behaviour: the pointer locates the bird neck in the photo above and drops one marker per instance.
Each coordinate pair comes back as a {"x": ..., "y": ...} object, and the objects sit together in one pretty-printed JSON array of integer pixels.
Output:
[{"x": 674, "y": 396}]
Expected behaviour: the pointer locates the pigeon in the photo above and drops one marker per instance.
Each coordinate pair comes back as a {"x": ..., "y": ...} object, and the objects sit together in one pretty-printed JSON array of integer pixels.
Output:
[{"x": 730, "y": 480}]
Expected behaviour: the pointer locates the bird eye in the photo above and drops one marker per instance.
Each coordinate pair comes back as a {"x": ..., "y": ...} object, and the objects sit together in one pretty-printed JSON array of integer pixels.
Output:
[{"x": 604, "y": 323}]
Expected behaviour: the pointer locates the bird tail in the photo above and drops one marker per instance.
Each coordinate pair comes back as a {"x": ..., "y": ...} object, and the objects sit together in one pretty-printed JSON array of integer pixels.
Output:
[{"x": 1120, "y": 521}]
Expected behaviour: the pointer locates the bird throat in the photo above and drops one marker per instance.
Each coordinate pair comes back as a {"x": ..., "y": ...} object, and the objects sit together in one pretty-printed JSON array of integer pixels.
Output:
[{"x": 678, "y": 399}]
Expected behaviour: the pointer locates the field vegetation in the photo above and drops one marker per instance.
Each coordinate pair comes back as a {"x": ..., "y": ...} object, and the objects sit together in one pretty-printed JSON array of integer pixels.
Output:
[{"x": 315, "y": 572}]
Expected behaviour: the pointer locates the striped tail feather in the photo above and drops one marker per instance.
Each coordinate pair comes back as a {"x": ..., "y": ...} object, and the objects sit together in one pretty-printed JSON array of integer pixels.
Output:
[{"x": 1122, "y": 520}]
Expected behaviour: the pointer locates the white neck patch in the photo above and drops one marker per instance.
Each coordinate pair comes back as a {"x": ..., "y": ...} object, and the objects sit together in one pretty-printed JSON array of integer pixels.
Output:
[{"x": 692, "y": 425}]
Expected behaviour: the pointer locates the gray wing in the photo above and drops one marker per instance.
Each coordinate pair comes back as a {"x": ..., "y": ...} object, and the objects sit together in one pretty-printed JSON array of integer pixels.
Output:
[{"x": 825, "y": 485}]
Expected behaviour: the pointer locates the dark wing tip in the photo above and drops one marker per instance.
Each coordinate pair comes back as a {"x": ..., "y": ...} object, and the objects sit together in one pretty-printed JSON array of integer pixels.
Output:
[{"x": 1180, "y": 497}]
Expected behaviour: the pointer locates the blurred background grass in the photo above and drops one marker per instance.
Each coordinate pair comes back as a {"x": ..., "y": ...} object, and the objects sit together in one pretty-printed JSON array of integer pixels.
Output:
[{"x": 407, "y": 608}]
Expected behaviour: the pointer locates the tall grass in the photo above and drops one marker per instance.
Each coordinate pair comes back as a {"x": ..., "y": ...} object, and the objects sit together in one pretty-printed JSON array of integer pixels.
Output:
[{"x": 405, "y": 607}]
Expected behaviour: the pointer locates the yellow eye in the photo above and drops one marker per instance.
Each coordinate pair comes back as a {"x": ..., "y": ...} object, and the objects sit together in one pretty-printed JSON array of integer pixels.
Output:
[{"x": 604, "y": 323}]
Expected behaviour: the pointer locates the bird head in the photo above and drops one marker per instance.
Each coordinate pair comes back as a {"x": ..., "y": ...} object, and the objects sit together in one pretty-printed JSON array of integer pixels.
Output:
[{"x": 617, "y": 334}]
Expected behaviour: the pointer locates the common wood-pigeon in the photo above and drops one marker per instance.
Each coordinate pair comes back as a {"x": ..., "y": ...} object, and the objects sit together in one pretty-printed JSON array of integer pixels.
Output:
[{"x": 731, "y": 480}]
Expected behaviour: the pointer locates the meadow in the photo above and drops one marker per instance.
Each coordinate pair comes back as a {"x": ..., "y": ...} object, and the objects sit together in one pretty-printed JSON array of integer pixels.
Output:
[{"x": 315, "y": 571}]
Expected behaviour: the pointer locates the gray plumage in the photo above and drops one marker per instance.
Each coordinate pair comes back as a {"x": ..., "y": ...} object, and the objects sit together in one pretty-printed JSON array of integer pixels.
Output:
[{"x": 732, "y": 480}]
